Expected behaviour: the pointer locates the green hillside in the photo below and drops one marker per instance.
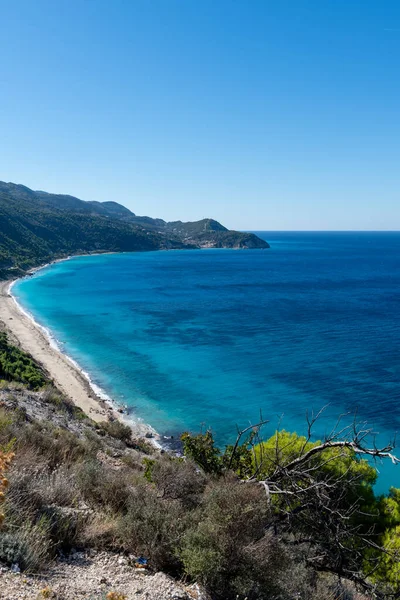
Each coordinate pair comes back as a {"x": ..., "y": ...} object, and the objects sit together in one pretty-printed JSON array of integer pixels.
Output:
[{"x": 36, "y": 227}]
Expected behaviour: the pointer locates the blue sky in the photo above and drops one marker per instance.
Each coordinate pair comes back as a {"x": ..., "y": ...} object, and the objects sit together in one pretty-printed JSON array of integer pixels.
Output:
[{"x": 262, "y": 114}]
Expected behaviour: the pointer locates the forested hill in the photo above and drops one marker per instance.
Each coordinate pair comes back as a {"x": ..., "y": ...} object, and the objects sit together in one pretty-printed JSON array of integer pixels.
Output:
[{"x": 36, "y": 227}]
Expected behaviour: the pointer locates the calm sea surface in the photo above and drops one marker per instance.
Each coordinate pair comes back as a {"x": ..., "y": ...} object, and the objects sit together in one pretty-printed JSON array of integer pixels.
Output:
[{"x": 192, "y": 338}]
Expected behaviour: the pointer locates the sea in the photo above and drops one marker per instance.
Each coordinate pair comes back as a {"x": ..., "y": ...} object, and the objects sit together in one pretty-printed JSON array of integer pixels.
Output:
[{"x": 194, "y": 339}]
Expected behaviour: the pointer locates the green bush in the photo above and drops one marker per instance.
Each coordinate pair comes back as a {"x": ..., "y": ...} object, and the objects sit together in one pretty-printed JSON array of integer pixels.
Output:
[
  {"x": 117, "y": 430},
  {"x": 103, "y": 486},
  {"x": 386, "y": 565},
  {"x": 15, "y": 365},
  {"x": 153, "y": 527},
  {"x": 197, "y": 520},
  {"x": 233, "y": 517},
  {"x": 203, "y": 451}
]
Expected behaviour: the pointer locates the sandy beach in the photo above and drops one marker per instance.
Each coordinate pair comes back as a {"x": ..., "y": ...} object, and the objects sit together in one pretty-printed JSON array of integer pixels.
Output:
[{"x": 65, "y": 375}]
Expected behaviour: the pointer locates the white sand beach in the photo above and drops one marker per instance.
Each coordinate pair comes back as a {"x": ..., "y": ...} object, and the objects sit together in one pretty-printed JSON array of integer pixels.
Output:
[{"x": 65, "y": 375}]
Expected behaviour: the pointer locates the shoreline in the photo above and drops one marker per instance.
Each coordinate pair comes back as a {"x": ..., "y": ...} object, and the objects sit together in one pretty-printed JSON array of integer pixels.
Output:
[{"x": 63, "y": 370}]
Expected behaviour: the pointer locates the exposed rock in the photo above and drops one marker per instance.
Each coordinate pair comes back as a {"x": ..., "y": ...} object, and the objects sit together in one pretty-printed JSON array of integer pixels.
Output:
[{"x": 92, "y": 576}]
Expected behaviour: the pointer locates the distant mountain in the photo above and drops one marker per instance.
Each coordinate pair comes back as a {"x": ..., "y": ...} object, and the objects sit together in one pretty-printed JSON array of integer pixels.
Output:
[{"x": 36, "y": 227}]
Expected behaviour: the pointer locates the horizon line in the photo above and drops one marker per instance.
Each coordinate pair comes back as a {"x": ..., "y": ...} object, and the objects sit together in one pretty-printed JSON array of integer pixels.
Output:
[{"x": 319, "y": 230}]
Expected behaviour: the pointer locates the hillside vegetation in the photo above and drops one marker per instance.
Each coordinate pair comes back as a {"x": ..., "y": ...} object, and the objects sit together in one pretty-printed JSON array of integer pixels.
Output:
[
  {"x": 36, "y": 227},
  {"x": 15, "y": 365},
  {"x": 319, "y": 533}
]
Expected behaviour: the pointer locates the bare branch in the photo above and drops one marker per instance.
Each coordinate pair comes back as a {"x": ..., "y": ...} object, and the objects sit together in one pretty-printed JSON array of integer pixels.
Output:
[
  {"x": 239, "y": 437},
  {"x": 353, "y": 445}
]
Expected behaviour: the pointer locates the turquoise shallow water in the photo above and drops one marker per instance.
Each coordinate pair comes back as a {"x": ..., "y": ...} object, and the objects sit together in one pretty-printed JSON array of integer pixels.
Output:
[{"x": 212, "y": 337}]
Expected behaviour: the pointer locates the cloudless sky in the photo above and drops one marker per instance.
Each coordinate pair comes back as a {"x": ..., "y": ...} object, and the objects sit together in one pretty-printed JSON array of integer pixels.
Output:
[{"x": 263, "y": 114}]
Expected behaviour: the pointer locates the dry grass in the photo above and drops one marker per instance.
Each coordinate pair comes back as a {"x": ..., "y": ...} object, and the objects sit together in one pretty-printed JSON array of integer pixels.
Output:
[{"x": 67, "y": 491}]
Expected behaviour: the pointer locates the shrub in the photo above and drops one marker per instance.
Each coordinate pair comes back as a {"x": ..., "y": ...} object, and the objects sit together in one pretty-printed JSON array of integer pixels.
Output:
[
  {"x": 177, "y": 479},
  {"x": 57, "y": 486},
  {"x": 141, "y": 445},
  {"x": 92, "y": 443},
  {"x": 202, "y": 450},
  {"x": 152, "y": 527},
  {"x": 64, "y": 527},
  {"x": 215, "y": 549},
  {"x": 29, "y": 546},
  {"x": 15, "y": 365},
  {"x": 133, "y": 461},
  {"x": 7, "y": 418},
  {"x": 35, "y": 485},
  {"x": 117, "y": 430},
  {"x": 11, "y": 385},
  {"x": 44, "y": 497},
  {"x": 99, "y": 531},
  {"x": 10, "y": 548},
  {"x": 387, "y": 569},
  {"x": 46, "y": 594},
  {"x": 103, "y": 486},
  {"x": 53, "y": 396},
  {"x": 55, "y": 445},
  {"x": 24, "y": 500}
]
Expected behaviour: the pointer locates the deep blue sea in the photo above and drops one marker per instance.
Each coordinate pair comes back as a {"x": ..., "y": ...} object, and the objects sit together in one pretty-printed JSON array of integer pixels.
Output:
[{"x": 210, "y": 337}]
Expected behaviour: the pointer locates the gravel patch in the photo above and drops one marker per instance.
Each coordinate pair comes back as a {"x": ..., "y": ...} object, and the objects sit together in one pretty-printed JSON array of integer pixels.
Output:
[{"x": 91, "y": 576}]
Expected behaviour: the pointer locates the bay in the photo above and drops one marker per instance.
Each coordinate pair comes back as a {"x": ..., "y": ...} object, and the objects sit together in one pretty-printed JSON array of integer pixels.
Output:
[{"x": 209, "y": 338}]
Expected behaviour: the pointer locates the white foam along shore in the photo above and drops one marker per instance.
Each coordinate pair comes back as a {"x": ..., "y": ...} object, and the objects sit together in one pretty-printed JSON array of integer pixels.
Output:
[{"x": 67, "y": 375}]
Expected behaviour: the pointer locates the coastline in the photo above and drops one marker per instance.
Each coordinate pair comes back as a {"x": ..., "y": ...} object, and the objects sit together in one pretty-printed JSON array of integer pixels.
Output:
[{"x": 66, "y": 374}]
